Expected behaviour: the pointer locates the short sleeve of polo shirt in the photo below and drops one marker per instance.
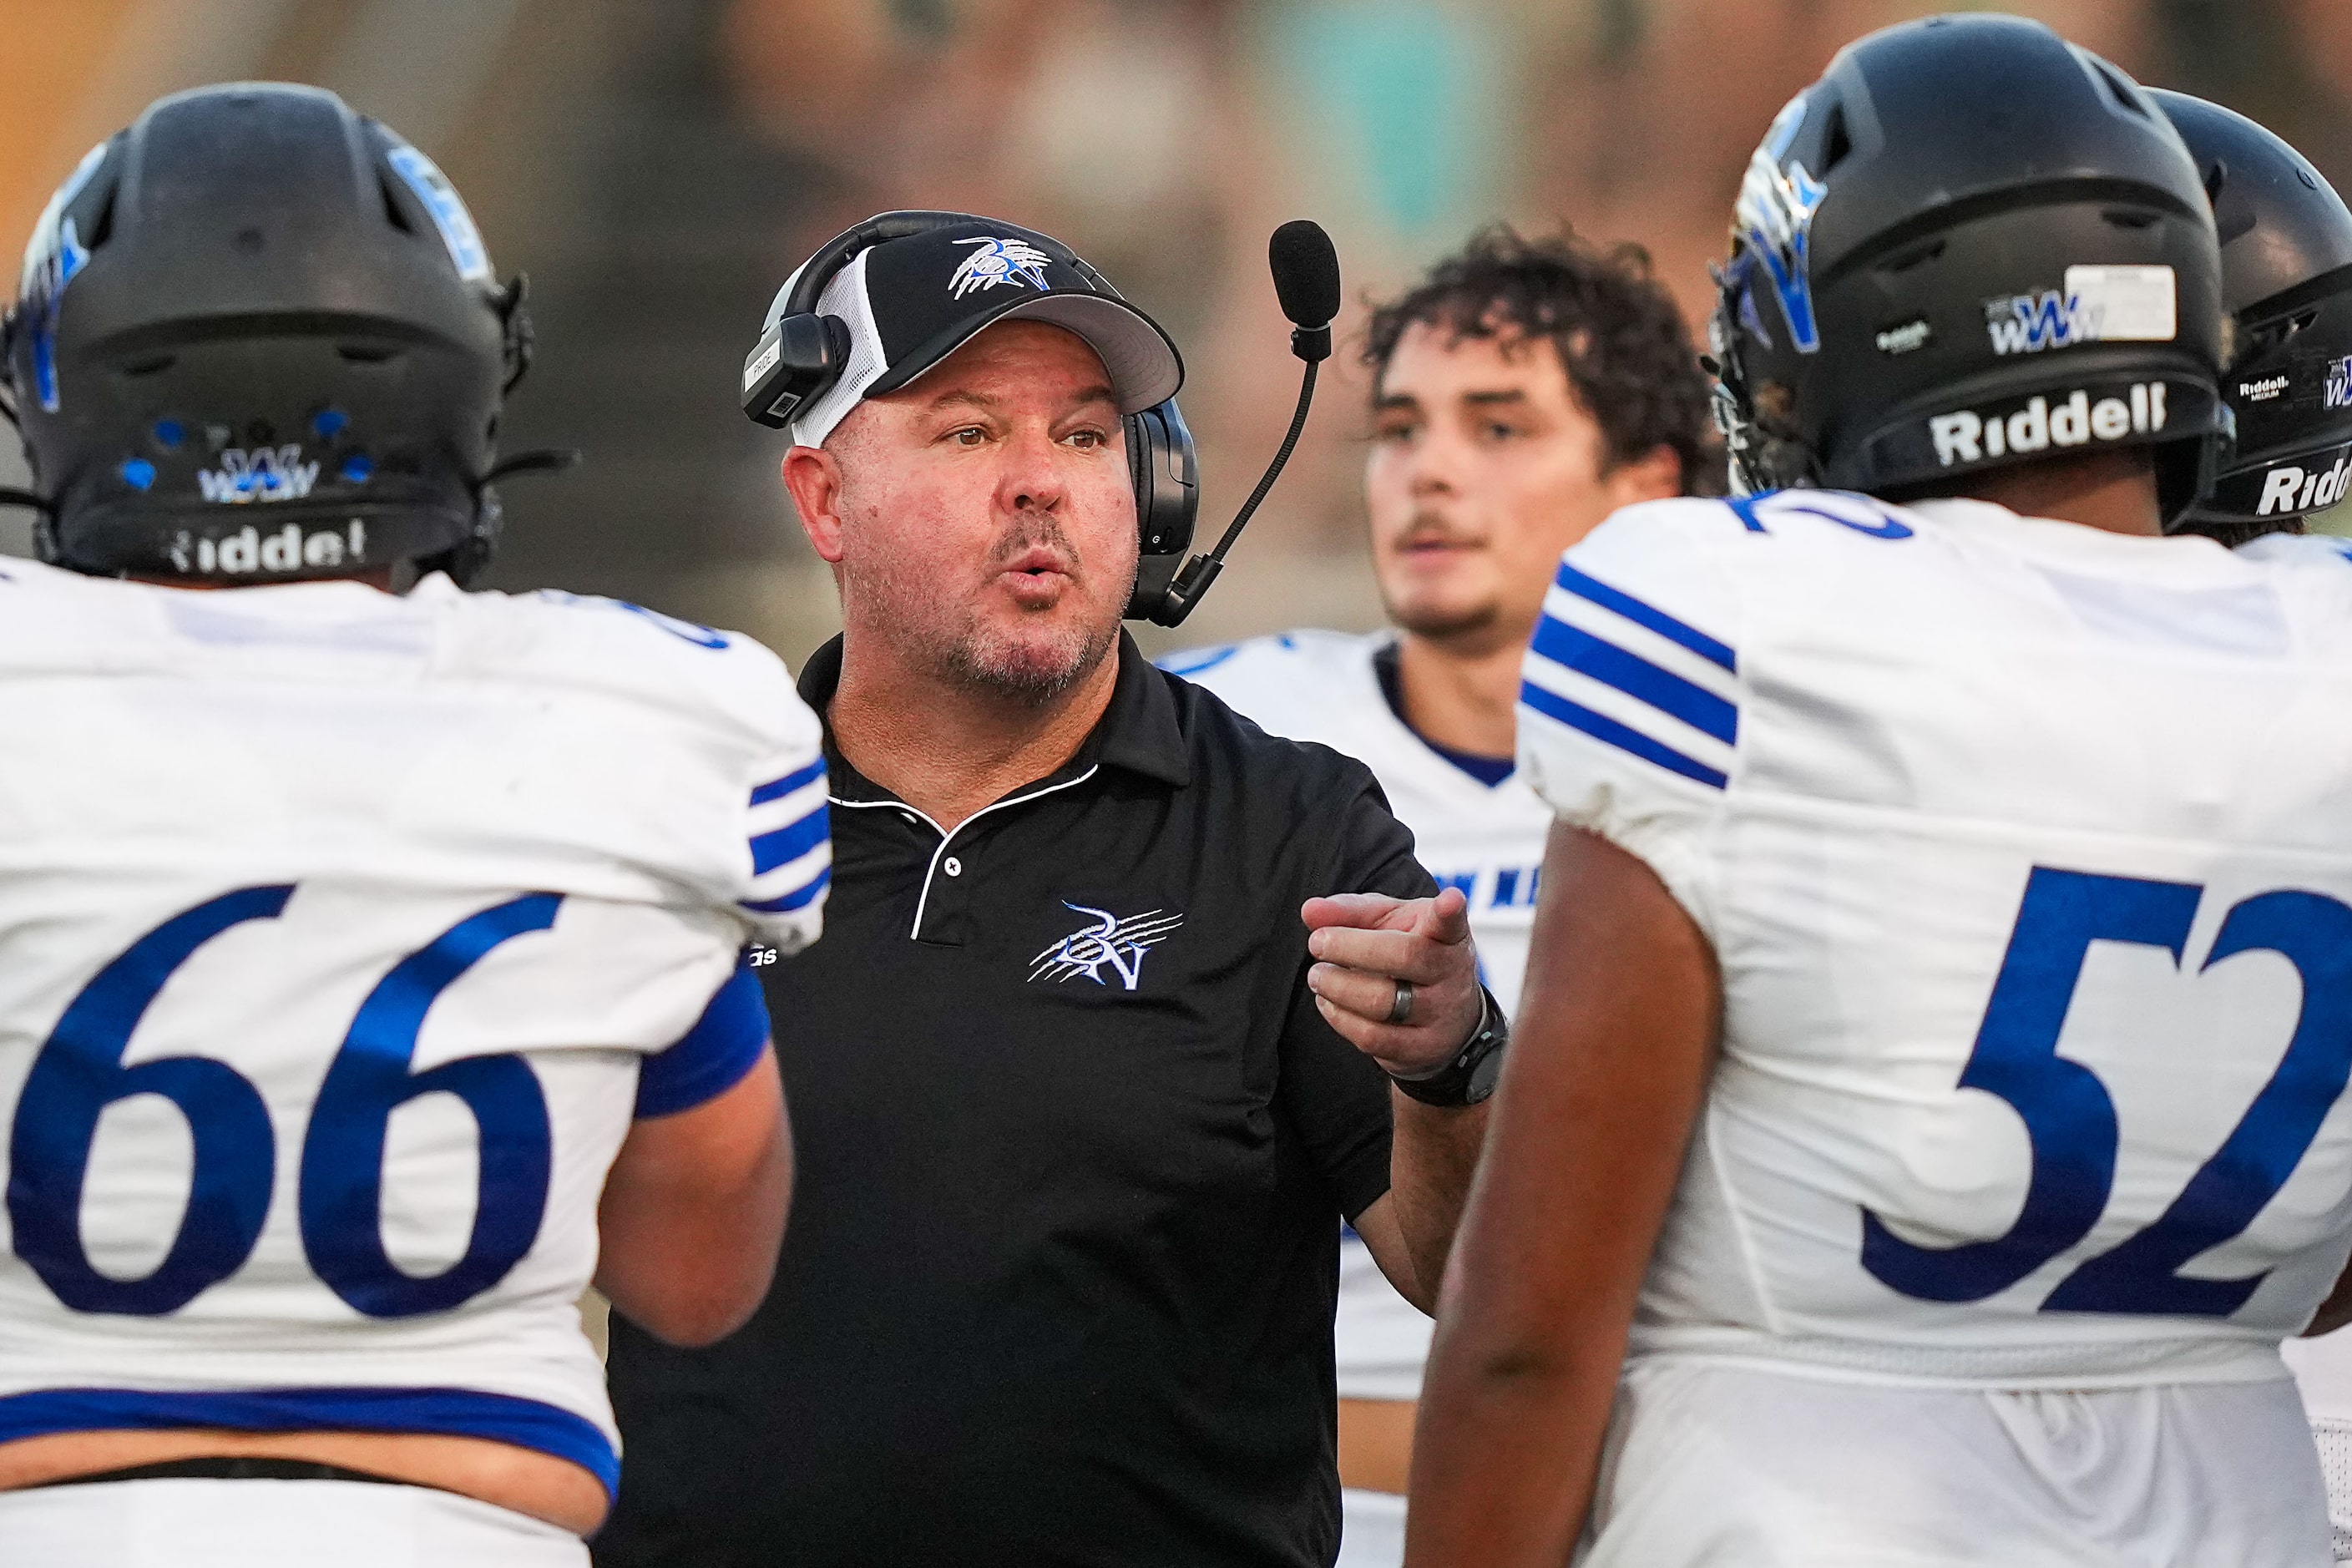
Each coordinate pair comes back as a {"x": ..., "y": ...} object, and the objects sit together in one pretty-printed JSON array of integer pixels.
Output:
[{"x": 1337, "y": 1096}]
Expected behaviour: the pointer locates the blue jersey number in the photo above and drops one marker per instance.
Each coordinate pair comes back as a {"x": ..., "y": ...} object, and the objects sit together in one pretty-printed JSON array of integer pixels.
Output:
[
  {"x": 79, "y": 1072},
  {"x": 2069, "y": 1120}
]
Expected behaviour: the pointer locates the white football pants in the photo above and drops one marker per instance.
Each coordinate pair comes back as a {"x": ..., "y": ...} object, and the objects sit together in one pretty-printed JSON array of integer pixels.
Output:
[
  {"x": 188, "y": 1523},
  {"x": 1711, "y": 1465}
]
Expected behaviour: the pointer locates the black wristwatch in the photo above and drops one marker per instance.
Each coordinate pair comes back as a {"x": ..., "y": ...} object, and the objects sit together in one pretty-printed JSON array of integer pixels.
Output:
[{"x": 1475, "y": 1068}]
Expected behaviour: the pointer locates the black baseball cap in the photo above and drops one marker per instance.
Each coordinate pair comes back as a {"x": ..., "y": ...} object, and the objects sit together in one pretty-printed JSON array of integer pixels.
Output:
[{"x": 910, "y": 302}]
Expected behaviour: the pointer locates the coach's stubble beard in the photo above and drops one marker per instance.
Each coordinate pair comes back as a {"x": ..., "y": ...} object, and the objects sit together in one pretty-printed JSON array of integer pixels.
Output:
[{"x": 1031, "y": 660}]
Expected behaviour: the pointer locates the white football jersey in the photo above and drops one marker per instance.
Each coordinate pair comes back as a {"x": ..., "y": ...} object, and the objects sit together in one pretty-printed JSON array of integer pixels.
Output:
[
  {"x": 2026, "y": 852},
  {"x": 334, "y": 929},
  {"x": 1485, "y": 840}
]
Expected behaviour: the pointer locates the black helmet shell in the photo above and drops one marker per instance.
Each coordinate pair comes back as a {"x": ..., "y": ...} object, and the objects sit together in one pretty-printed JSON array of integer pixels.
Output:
[
  {"x": 259, "y": 336},
  {"x": 1970, "y": 244},
  {"x": 2286, "y": 281}
]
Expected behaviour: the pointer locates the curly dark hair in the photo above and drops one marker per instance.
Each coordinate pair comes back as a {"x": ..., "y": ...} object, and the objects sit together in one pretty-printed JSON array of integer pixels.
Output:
[{"x": 1622, "y": 339}]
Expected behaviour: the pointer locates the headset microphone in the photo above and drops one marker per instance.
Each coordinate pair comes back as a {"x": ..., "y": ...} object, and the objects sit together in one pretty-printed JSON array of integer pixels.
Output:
[{"x": 1306, "y": 281}]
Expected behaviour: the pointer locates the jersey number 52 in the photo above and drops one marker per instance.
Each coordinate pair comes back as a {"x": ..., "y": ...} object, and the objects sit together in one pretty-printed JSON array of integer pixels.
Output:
[
  {"x": 79, "y": 1072},
  {"x": 2071, "y": 1121}
]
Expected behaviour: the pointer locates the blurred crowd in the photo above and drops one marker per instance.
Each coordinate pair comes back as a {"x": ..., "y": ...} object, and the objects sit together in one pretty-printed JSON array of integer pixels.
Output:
[{"x": 658, "y": 168}]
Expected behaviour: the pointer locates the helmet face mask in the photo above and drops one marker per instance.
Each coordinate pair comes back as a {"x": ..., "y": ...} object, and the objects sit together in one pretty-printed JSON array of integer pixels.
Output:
[
  {"x": 258, "y": 337},
  {"x": 1913, "y": 297}
]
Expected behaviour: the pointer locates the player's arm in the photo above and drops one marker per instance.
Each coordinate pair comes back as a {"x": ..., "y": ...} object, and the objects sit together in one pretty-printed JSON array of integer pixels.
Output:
[
  {"x": 1609, "y": 1068},
  {"x": 2336, "y": 1311},
  {"x": 693, "y": 1212}
]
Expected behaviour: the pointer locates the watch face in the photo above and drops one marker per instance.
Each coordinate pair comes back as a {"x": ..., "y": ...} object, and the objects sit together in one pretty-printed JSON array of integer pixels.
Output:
[{"x": 1485, "y": 1077}]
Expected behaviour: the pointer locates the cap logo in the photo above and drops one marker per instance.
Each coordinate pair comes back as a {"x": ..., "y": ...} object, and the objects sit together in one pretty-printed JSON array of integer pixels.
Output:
[{"x": 1014, "y": 261}]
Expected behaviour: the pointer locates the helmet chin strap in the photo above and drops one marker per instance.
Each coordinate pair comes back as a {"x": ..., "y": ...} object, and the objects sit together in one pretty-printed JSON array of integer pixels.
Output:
[{"x": 466, "y": 559}]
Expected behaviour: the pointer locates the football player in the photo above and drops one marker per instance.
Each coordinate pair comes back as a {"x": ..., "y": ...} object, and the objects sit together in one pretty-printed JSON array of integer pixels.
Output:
[
  {"x": 369, "y": 962},
  {"x": 1521, "y": 393},
  {"x": 1925, "y": 1125},
  {"x": 2286, "y": 282}
]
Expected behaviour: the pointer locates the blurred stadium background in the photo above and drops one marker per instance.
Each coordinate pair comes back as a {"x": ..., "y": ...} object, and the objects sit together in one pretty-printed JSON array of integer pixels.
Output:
[{"x": 657, "y": 166}]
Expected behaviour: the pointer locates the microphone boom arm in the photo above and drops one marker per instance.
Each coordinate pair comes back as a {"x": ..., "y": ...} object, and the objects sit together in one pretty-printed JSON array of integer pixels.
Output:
[
  {"x": 1306, "y": 281},
  {"x": 1193, "y": 579}
]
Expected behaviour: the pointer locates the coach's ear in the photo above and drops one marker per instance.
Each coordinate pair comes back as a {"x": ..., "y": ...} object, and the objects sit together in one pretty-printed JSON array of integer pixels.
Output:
[
  {"x": 1655, "y": 475},
  {"x": 812, "y": 475}
]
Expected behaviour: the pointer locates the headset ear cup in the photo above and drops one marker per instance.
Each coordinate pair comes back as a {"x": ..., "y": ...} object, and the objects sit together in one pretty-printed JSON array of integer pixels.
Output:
[
  {"x": 1166, "y": 473},
  {"x": 1139, "y": 469},
  {"x": 797, "y": 361}
]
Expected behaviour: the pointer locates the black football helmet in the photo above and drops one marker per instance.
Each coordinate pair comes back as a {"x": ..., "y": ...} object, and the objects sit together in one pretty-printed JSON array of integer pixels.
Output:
[
  {"x": 2286, "y": 282},
  {"x": 1970, "y": 244},
  {"x": 258, "y": 337}
]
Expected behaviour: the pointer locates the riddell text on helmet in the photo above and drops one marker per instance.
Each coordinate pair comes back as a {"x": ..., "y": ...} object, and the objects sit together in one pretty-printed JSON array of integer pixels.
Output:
[
  {"x": 1971, "y": 437},
  {"x": 289, "y": 549},
  {"x": 2291, "y": 487}
]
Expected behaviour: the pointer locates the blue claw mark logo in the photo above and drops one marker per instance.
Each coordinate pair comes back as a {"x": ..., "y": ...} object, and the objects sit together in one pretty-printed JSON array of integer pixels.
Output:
[
  {"x": 999, "y": 261},
  {"x": 51, "y": 260},
  {"x": 1105, "y": 940},
  {"x": 1775, "y": 218}
]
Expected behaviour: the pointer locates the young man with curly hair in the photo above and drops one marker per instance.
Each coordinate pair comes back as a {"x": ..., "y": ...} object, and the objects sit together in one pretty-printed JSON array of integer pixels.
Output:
[{"x": 1522, "y": 390}]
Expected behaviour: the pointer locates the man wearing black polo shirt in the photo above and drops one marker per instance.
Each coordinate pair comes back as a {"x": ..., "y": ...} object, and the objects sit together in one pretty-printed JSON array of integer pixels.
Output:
[{"x": 1100, "y": 1031}]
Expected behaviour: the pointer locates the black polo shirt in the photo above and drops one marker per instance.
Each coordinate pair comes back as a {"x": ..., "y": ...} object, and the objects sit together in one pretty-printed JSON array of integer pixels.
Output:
[{"x": 1073, "y": 1148}]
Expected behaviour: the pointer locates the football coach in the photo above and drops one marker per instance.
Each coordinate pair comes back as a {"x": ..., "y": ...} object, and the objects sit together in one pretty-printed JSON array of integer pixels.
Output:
[{"x": 1123, "y": 1006}]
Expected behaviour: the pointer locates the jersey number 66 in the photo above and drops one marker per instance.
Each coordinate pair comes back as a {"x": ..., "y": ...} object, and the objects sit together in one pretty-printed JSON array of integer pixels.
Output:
[{"x": 79, "y": 1072}]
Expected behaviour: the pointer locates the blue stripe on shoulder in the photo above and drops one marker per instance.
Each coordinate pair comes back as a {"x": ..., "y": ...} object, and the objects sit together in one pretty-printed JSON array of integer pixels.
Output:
[
  {"x": 1198, "y": 660},
  {"x": 788, "y": 843},
  {"x": 1601, "y": 727},
  {"x": 800, "y": 898},
  {"x": 1605, "y": 662},
  {"x": 782, "y": 787},
  {"x": 1643, "y": 614}
]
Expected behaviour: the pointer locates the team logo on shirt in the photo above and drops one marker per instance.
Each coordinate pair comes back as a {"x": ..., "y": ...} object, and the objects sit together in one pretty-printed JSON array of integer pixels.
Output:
[
  {"x": 1105, "y": 941},
  {"x": 999, "y": 261}
]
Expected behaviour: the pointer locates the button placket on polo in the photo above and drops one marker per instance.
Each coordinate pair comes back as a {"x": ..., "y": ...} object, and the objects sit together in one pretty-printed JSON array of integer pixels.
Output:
[
  {"x": 947, "y": 896},
  {"x": 955, "y": 872}
]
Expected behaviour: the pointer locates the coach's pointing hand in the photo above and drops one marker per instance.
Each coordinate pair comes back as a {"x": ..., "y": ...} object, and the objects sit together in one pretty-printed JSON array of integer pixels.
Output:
[{"x": 1398, "y": 977}]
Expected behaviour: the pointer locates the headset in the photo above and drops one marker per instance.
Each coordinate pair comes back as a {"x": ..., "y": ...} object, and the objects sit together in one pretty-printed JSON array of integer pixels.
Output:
[{"x": 799, "y": 359}]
